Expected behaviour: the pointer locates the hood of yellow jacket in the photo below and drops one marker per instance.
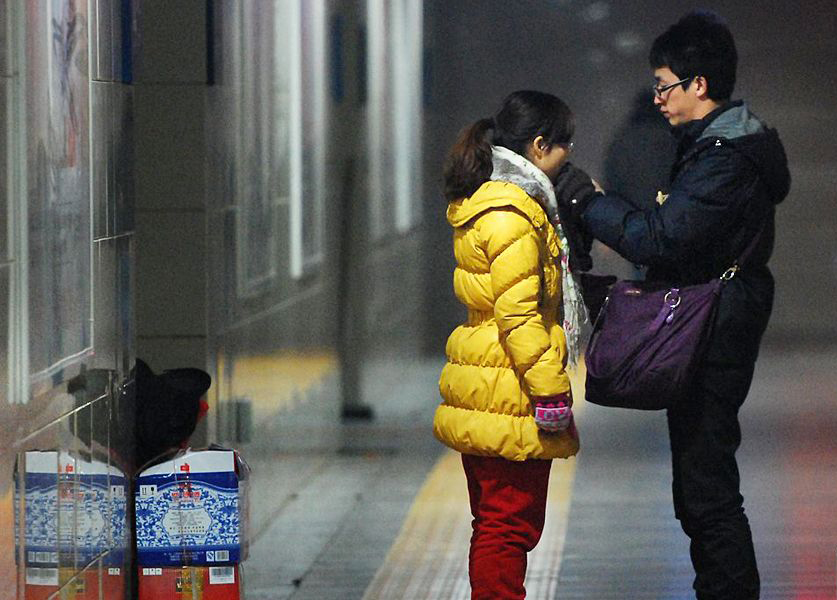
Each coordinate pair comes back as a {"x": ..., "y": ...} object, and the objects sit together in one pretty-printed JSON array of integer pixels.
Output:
[{"x": 495, "y": 194}]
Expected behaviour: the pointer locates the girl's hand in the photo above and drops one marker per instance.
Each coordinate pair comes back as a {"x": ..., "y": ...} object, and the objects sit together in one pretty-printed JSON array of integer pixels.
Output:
[{"x": 553, "y": 413}]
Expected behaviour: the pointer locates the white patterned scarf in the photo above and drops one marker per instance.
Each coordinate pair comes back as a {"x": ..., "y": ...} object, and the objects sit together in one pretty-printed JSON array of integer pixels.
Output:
[{"x": 511, "y": 167}]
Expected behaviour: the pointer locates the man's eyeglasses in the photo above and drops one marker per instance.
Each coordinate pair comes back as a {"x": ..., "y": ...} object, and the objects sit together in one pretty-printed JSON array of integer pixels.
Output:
[
  {"x": 568, "y": 146},
  {"x": 659, "y": 90}
]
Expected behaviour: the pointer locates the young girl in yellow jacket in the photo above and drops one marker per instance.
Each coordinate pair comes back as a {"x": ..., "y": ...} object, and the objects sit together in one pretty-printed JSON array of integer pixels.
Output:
[{"x": 506, "y": 393}]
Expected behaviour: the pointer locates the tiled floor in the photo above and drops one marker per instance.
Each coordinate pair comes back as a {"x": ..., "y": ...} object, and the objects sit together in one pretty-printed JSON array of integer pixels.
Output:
[
  {"x": 384, "y": 513},
  {"x": 324, "y": 519}
]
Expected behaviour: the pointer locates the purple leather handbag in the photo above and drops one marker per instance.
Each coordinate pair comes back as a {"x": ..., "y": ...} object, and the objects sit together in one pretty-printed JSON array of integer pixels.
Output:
[
  {"x": 647, "y": 342},
  {"x": 649, "y": 338}
]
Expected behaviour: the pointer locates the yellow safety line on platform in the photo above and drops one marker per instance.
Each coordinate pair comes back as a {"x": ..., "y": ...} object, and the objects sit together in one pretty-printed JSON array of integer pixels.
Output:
[
  {"x": 8, "y": 569},
  {"x": 429, "y": 558},
  {"x": 276, "y": 381}
]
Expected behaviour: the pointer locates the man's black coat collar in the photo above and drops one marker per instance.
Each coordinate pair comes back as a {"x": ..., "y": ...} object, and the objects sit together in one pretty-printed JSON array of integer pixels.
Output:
[{"x": 688, "y": 133}]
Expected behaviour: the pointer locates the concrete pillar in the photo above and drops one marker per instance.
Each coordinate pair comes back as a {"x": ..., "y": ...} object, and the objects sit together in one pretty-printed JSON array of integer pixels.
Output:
[{"x": 171, "y": 212}]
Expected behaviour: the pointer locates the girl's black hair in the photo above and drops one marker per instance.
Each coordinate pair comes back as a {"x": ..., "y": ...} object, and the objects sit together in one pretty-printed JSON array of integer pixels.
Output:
[{"x": 523, "y": 116}]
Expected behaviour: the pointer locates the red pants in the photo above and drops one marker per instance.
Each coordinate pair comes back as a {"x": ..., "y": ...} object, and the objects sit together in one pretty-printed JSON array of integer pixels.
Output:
[{"x": 508, "y": 501}]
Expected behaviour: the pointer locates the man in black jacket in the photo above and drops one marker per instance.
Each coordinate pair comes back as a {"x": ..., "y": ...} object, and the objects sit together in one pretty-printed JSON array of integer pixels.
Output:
[{"x": 730, "y": 172}]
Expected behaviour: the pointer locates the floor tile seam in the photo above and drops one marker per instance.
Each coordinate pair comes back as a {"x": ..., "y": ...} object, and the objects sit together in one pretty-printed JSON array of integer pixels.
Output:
[
  {"x": 326, "y": 548},
  {"x": 286, "y": 502},
  {"x": 338, "y": 537}
]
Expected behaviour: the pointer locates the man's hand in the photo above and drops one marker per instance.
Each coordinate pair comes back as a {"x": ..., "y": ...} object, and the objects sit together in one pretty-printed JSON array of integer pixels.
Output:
[{"x": 574, "y": 189}]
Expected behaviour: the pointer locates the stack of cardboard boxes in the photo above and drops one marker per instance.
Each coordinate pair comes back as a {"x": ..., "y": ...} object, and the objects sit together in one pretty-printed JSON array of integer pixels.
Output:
[
  {"x": 74, "y": 514},
  {"x": 191, "y": 526}
]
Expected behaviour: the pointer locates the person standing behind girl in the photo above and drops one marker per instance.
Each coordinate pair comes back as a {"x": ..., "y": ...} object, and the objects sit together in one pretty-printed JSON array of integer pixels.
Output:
[{"x": 506, "y": 394}]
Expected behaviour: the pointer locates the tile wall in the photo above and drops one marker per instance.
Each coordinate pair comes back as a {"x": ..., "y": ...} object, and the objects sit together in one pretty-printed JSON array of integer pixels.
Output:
[{"x": 66, "y": 297}]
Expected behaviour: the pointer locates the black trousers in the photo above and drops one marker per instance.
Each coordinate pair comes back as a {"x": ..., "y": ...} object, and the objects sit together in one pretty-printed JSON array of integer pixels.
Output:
[{"x": 705, "y": 435}]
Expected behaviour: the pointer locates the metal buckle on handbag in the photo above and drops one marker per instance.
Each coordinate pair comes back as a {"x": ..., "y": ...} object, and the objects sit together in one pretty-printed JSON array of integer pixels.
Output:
[
  {"x": 672, "y": 300},
  {"x": 729, "y": 273}
]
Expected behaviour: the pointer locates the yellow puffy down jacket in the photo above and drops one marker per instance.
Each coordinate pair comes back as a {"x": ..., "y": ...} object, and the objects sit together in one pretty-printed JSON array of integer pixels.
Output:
[{"x": 511, "y": 348}]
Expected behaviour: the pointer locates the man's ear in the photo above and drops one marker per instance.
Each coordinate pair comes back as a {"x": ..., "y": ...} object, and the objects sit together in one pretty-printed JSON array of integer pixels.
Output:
[{"x": 701, "y": 87}]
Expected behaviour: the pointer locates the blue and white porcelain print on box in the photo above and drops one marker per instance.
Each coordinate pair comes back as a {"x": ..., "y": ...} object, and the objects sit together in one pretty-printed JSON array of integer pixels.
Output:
[
  {"x": 73, "y": 510},
  {"x": 189, "y": 510}
]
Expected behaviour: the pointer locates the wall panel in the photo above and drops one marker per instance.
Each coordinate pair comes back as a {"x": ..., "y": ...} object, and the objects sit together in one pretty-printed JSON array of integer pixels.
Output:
[
  {"x": 69, "y": 299},
  {"x": 58, "y": 187},
  {"x": 298, "y": 317}
]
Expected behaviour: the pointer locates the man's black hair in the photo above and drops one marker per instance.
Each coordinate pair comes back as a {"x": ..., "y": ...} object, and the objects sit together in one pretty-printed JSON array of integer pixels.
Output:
[{"x": 699, "y": 44}]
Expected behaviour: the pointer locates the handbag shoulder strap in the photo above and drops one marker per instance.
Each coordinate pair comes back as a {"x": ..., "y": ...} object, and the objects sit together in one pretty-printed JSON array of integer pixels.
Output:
[{"x": 742, "y": 258}]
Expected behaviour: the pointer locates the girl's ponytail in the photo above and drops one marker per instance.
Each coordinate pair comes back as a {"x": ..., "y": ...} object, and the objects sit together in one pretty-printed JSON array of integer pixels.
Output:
[
  {"x": 468, "y": 164},
  {"x": 523, "y": 116}
]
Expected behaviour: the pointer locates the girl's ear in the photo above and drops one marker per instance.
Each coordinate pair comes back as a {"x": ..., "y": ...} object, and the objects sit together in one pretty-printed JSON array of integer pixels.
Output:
[{"x": 538, "y": 147}]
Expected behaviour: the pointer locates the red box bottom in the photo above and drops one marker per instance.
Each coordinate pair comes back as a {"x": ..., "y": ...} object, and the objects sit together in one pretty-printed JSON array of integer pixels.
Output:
[
  {"x": 190, "y": 583},
  {"x": 42, "y": 583}
]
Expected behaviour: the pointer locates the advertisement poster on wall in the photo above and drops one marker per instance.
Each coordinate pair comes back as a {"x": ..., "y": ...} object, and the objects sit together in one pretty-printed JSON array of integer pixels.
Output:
[{"x": 58, "y": 167}]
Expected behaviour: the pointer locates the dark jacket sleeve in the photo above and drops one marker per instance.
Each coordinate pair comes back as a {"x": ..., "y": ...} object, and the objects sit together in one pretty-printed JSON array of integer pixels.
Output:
[{"x": 702, "y": 205}]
